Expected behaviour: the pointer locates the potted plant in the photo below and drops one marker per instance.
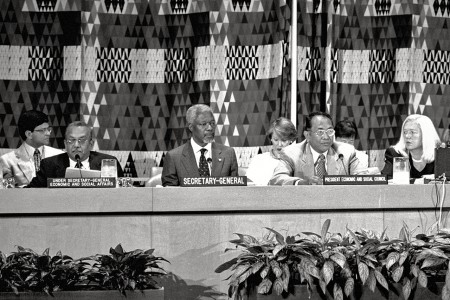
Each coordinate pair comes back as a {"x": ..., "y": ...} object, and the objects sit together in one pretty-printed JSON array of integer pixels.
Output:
[
  {"x": 357, "y": 265},
  {"x": 112, "y": 276}
]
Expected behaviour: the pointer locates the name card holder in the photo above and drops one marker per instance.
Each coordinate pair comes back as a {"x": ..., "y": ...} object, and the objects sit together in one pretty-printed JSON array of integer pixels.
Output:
[
  {"x": 214, "y": 181},
  {"x": 354, "y": 179},
  {"x": 96, "y": 182}
]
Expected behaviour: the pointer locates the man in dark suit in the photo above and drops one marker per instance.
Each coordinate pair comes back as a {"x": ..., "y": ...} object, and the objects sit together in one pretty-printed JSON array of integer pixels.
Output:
[
  {"x": 319, "y": 155},
  {"x": 78, "y": 142},
  {"x": 199, "y": 156}
]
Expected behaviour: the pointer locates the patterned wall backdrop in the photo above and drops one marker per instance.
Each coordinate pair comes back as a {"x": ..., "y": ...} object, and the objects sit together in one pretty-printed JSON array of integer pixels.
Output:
[
  {"x": 131, "y": 68},
  {"x": 375, "y": 62}
]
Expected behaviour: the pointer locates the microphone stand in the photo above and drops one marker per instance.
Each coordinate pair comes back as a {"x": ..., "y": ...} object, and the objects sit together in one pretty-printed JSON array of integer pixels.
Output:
[
  {"x": 341, "y": 158},
  {"x": 77, "y": 157}
]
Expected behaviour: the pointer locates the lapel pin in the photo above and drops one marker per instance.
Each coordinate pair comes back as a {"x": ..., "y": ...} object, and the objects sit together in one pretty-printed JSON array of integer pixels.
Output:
[{"x": 220, "y": 159}]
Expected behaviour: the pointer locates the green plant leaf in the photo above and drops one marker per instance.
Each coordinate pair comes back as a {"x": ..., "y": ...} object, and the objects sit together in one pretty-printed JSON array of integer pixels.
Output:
[
  {"x": 257, "y": 266},
  {"x": 278, "y": 286},
  {"x": 286, "y": 276},
  {"x": 226, "y": 265},
  {"x": 310, "y": 268},
  {"x": 323, "y": 286},
  {"x": 447, "y": 279},
  {"x": 392, "y": 258},
  {"x": 276, "y": 268},
  {"x": 337, "y": 292},
  {"x": 339, "y": 258},
  {"x": 264, "y": 272},
  {"x": 277, "y": 249},
  {"x": 327, "y": 271},
  {"x": 423, "y": 280},
  {"x": 431, "y": 253},
  {"x": 381, "y": 280},
  {"x": 363, "y": 271},
  {"x": 397, "y": 273},
  {"x": 349, "y": 286},
  {"x": 445, "y": 293},
  {"x": 264, "y": 286},
  {"x": 325, "y": 227},
  {"x": 431, "y": 262},
  {"x": 278, "y": 236},
  {"x": 355, "y": 238},
  {"x": 415, "y": 270},
  {"x": 406, "y": 289},
  {"x": 371, "y": 281},
  {"x": 403, "y": 256},
  {"x": 241, "y": 269}
]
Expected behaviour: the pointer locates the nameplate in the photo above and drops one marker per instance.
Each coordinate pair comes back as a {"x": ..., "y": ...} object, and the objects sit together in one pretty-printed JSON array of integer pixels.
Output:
[
  {"x": 214, "y": 181},
  {"x": 97, "y": 182},
  {"x": 354, "y": 179}
]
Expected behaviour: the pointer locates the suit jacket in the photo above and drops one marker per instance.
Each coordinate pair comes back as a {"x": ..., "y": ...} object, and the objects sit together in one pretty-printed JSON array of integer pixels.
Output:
[
  {"x": 180, "y": 162},
  {"x": 17, "y": 164},
  {"x": 389, "y": 155},
  {"x": 55, "y": 167},
  {"x": 296, "y": 163}
]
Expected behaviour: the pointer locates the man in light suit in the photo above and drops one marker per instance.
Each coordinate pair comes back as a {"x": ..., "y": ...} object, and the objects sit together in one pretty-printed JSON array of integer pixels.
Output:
[
  {"x": 299, "y": 163},
  {"x": 21, "y": 163},
  {"x": 78, "y": 142},
  {"x": 186, "y": 160}
]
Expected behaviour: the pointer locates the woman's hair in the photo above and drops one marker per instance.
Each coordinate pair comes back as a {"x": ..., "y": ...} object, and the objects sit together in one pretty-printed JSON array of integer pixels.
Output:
[
  {"x": 346, "y": 129},
  {"x": 430, "y": 138},
  {"x": 283, "y": 128}
]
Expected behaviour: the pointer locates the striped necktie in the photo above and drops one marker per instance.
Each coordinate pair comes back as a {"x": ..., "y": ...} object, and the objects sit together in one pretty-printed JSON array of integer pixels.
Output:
[
  {"x": 320, "y": 166},
  {"x": 37, "y": 159},
  {"x": 203, "y": 168}
]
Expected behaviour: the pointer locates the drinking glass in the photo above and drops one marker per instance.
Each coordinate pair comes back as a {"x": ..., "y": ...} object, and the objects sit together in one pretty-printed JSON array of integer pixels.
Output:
[
  {"x": 109, "y": 168},
  {"x": 401, "y": 170}
]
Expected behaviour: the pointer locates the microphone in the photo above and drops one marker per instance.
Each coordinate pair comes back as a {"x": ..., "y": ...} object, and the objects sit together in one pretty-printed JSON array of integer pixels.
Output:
[
  {"x": 78, "y": 165},
  {"x": 341, "y": 158},
  {"x": 77, "y": 157},
  {"x": 209, "y": 160}
]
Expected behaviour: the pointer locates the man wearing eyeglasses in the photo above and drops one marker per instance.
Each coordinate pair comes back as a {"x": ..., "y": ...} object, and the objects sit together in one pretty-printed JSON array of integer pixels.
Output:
[
  {"x": 78, "y": 142},
  {"x": 199, "y": 156},
  {"x": 22, "y": 163},
  {"x": 318, "y": 155}
]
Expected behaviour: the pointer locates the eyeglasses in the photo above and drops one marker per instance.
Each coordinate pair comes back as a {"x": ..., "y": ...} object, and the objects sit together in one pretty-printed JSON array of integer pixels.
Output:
[
  {"x": 44, "y": 130},
  {"x": 410, "y": 132},
  {"x": 80, "y": 141},
  {"x": 283, "y": 142},
  {"x": 321, "y": 132},
  {"x": 204, "y": 125}
]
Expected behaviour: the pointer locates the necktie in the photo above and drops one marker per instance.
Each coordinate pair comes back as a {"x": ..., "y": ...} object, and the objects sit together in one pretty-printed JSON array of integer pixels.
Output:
[
  {"x": 320, "y": 167},
  {"x": 79, "y": 165},
  {"x": 37, "y": 159},
  {"x": 203, "y": 167}
]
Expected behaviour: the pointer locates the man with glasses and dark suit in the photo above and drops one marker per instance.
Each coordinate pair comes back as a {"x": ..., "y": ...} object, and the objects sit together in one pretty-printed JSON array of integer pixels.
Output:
[
  {"x": 78, "y": 142},
  {"x": 23, "y": 163},
  {"x": 318, "y": 155},
  {"x": 199, "y": 156}
]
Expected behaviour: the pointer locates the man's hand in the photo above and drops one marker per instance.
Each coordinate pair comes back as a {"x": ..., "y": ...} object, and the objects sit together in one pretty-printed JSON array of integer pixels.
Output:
[{"x": 315, "y": 180}]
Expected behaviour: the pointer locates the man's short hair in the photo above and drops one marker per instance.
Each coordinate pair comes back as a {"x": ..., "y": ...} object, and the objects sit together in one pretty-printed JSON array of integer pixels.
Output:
[
  {"x": 29, "y": 120},
  {"x": 195, "y": 110},
  {"x": 309, "y": 118},
  {"x": 78, "y": 124},
  {"x": 346, "y": 129}
]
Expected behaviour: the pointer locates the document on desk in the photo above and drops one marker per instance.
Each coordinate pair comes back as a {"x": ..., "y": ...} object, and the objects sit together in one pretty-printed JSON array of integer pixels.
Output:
[{"x": 82, "y": 173}]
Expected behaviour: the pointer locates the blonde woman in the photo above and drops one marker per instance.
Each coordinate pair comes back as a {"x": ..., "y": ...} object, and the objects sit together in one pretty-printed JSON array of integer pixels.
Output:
[
  {"x": 418, "y": 140},
  {"x": 281, "y": 134}
]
